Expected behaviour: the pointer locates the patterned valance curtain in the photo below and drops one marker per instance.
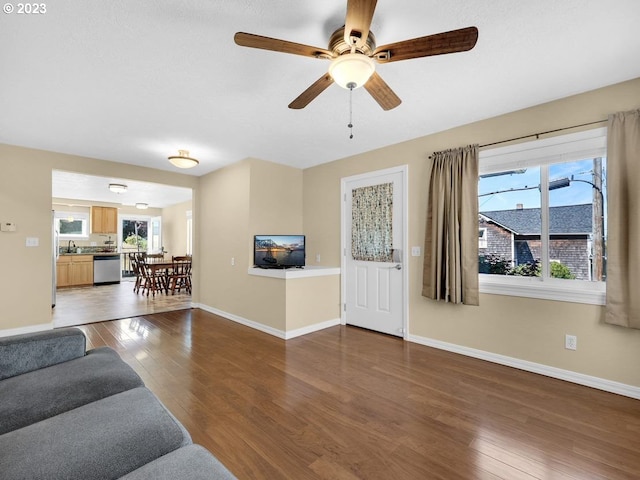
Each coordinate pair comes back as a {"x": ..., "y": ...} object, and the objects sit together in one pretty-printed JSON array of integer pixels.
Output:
[
  {"x": 371, "y": 223},
  {"x": 450, "y": 269},
  {"x": 623, "y": 212}
]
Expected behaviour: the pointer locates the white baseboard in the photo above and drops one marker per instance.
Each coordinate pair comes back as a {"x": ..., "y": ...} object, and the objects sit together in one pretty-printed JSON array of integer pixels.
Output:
[
  {"x": 266, "y": 329},
  {"x": 243, "y": 321},
  {"x": 567, "y": 375},
  {"x": 30, "y": 329},
  {"x": 311, "y": 328}
]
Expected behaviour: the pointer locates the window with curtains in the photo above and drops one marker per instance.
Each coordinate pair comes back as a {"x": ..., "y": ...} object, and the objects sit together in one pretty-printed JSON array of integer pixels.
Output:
[{"x": 542, "y": 206}]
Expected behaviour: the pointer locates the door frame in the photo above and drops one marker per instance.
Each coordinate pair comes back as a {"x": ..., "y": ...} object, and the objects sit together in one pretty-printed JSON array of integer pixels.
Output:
[{"x": 404, "y": 170}]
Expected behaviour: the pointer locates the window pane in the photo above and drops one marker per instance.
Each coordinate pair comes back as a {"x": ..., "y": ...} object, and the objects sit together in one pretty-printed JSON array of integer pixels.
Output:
[
  {"x": 509, "y": 205},
  {"x": 134, "y": 235},
  {"x": 73, "y": 227},
  {"x": 577, "y": 220}
]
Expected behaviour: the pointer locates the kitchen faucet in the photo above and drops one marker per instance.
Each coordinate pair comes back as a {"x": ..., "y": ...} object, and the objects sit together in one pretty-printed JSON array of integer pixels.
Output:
[{"x": 69, "y": 246}]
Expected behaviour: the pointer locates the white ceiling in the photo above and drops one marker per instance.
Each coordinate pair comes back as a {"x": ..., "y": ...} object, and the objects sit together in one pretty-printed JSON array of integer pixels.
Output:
[
  {"x": 134, "y": 81},
  {"x": 76, "y": 186}
]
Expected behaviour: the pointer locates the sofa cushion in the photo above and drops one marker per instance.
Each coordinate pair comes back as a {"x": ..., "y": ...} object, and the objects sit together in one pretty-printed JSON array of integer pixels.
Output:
[
  {"x": 192, "y": 462},
  {"x": 105, "y": 439},
  {"x": 23, "y": 353},
  {"x": 41, "y": 394}
]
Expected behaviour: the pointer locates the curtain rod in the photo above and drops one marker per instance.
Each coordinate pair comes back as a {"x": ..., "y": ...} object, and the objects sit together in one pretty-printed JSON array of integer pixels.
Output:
[
  {"x": 542, "y": 133},
  {"x": 537, "y": 135}
]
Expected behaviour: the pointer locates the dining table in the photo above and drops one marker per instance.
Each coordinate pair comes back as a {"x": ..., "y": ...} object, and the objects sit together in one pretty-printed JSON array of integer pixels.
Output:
[{"x": 161, "y": 266}]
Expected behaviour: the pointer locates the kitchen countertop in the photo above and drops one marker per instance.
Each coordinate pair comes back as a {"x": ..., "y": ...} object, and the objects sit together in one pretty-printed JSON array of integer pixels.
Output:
[{"x": 88, "y": 253}]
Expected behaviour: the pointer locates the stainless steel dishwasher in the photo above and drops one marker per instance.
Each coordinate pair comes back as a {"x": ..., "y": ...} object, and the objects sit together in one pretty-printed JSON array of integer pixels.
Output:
[{"x": 106, "y": 269}]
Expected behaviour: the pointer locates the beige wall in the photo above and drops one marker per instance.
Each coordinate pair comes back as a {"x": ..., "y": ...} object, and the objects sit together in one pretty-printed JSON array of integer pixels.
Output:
[
  {"x": 311, "y": 301},
  {"x": 527, "y": 329},
  {"x": 25, "y": 198},
  {"x": 174, "y": 228},
  {"x": 248, "y": 198}
]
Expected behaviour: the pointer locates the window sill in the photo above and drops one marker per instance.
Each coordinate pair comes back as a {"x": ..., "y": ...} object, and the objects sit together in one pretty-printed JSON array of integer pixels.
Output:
[{"x": 592, "y": 293}]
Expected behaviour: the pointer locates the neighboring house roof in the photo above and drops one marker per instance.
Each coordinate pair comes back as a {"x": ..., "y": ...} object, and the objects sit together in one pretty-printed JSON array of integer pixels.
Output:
[{"x": 568, "y": 220}]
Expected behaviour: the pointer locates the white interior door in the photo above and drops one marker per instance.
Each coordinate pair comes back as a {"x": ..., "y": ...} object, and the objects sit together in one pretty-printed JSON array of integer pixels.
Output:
[{"x": 374, "y": 253}]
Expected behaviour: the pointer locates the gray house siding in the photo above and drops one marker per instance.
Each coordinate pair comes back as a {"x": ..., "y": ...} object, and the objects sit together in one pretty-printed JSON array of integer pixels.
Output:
[
  {"x": 574, "y": 253},
  {"x": 568, "y": 244},
  {"x": 498, "y": 240}
]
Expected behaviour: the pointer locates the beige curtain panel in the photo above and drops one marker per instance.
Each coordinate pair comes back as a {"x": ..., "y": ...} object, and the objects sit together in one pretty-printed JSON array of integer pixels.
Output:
[
  {"x": 451, "y": 239},
  {"x": 623, "y": 209}
]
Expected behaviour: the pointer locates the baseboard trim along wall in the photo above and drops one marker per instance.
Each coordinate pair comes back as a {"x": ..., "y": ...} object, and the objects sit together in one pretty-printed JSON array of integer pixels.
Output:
[
  {"x": 30, "y": 329},
  {"x": 567, "y": 375},
  {"x": 311, "y": 328},
  {"x": 266, "y": 329}
]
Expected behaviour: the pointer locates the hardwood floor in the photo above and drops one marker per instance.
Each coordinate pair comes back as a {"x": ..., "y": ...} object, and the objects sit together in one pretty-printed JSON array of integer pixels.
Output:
[
  {"x": 346, "y": 403},
  {"x": 80, "y": 305}
]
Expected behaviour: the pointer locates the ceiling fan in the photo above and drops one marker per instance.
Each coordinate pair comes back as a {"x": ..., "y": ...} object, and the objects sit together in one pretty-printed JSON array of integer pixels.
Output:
[{"x": 353, "y": 54}]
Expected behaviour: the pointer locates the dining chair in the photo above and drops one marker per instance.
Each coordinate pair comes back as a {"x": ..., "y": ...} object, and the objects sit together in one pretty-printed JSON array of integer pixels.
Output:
[
  {"x": 180, "y": 276},
  {"x": 153, "y": 280},
  {"x": 133, "y": 261}
]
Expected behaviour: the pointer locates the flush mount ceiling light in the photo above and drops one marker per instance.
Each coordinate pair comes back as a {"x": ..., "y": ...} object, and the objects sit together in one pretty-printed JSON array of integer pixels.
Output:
[
  {"x": 142, "y": 206},
  {"x": 351, "y": 70},
  {"x": 117, "y": 187},
  {"x": 183, "y": 160}
]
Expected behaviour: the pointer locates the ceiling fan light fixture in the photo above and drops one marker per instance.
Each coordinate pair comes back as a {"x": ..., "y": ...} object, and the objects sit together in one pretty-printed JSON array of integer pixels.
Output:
[
  {"x": 183, "y": 160},
  {"x": 142, "y": 206},
  {"x": 117, "y": 187},
  {"x": 351, "y": 70}
]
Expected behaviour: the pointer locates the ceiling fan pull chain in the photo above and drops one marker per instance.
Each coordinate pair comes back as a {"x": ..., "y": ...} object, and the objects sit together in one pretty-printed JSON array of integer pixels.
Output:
[{"x": 351, "y": 86}]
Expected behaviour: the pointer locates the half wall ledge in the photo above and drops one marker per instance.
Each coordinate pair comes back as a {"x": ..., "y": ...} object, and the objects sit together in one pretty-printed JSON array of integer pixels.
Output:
[
  {"x": 309, "y": 298},
  {"x": 290, "y": 273}
]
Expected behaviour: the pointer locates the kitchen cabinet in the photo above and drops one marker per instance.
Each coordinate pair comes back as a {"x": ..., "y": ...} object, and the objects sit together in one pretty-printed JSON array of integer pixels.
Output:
[
  {"x": 104, "y": 220},
  {"x": 73, "y": 270}
]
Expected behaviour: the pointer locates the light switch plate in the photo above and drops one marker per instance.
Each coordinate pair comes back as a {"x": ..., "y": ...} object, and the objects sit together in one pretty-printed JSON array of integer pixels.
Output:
[
  {"x": 33, "y": 241},
  {"x": 7, "y": 227},
  {"x": 415, "y": 251}
]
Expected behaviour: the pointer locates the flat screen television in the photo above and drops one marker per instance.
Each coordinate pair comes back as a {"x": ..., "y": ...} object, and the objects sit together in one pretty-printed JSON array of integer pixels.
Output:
[{"x": 278, "y": 251}]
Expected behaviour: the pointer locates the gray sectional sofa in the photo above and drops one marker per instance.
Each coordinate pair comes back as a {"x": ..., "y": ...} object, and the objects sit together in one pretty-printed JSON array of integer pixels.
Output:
[{"x": 67, "y": 413}]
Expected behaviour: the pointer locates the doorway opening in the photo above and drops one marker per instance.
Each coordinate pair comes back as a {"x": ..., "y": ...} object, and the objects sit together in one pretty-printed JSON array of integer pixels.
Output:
[{"x": 150, "y": 217}]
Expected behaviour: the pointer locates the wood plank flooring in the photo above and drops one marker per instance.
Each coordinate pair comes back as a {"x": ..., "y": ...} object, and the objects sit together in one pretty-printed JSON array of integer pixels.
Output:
[
  {"x": 96, "y": 303},
  {"x": 346, "y": 403}
]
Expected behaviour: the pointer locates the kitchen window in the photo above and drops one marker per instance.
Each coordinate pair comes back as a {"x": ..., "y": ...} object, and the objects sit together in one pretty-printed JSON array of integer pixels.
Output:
[
  {"x": 72, "y": 225},
  {"x": 542, "y": 206}
]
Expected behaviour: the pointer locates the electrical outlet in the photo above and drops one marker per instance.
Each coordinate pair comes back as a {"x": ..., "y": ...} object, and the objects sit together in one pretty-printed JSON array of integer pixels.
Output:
[
  {"x": 570, "y": 342},
  {"x": 317, "y": 258},
  {"x": 233, "y": 261}
]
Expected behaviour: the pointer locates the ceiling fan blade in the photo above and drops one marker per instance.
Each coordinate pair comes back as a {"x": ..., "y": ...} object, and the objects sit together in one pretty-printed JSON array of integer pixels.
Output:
[
  {"x": 268, "y": 43},
  {"x": 358, "y": 21},
  {"x": 312, "y": 92},
  {"x": 381, "y": 92},
  {"x": 438, "y": 44}
]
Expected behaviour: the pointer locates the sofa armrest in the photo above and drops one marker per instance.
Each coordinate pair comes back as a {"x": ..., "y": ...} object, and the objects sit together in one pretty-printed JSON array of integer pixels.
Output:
[{"x": 31, "y": 351}]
